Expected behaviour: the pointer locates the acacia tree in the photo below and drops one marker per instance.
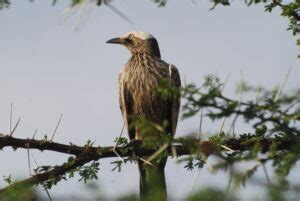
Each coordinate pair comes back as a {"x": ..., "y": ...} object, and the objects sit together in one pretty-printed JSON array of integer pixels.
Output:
[{"x": 273, "y": 116}]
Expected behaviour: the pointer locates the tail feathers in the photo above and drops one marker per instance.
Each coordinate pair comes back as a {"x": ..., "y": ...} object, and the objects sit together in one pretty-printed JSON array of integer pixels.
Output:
[{"x": 152, "y": 182}]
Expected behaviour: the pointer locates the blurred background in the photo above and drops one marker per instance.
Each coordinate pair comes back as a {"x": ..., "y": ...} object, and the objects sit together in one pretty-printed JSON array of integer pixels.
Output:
[{"x": 54, "y": 60}]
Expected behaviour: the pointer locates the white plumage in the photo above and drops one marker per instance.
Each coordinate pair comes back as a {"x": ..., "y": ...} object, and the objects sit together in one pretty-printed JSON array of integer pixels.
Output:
[{"x": 138, "y": 34}]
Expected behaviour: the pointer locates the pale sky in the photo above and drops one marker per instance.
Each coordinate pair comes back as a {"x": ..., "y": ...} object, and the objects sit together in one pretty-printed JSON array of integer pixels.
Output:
[{"x": 52, "y": 64}]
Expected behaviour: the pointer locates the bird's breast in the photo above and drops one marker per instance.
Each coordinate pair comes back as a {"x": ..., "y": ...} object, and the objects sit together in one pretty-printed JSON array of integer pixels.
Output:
[{"x": 143, "y": 83}]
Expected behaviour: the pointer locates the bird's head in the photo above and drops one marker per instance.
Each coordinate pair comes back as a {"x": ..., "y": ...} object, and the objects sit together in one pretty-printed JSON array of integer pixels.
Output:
[{"x": 138, "y": 42}]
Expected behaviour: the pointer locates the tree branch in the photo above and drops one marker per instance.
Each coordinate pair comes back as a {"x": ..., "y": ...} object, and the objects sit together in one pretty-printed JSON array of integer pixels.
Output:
[
  {"x": 57, "y": 171},
  {"x": 15, "y": 143},
  {"x": 86, "y": 154}
]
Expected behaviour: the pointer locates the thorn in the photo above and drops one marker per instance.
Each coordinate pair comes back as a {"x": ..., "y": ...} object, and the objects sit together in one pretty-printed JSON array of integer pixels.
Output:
[
  {"x": 222, "y": 125},
  {"x": 200, "y": 125},
  {"x": 34, "y": 133},
  {"x": 161, "y": 149},
  {"x": 174, "y": 152},
  {"x": 290, "y": 107},
  {"x": 121, "y": 14},
  {"x": 48, "y": 193},
  {"x": 10, "y": 117},
  {"x": 12, "y": 132},
  {"x": 227, "y": 148},
  {"x": 195, "y": 180},
  {"x": 232, "y": 127},
  {"x": 258, "y": 90},
  {"x": 28, "y": 161},
  {"x": 241, "y": 88},
  {"x": 84, "y": 10},
  {"x": 43, "y": 184},
  {"x": 56, "y": 128},
  {"x": 184, "y": 81},
  {"x": 118, "y": 155},
  {"x": 28, "y": 154},
  {"x": 282, "y": 85},
  {"x": 145, "y": 161},
  {"x": 226, "y": 81},
  {"x": 34, "y": 161},
  {"x": 266, "y": 173},
  {"x": 194, "y": 2},
  {"x": 114, "y": 148},
  {"x": 240, "y": 93},
  {"x": 230, "y": 178},
  {"x": 170, "y": 70}
]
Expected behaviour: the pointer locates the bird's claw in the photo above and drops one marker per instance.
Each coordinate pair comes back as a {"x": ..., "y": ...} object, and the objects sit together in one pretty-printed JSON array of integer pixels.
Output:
[{"x": 135, "y": 143}]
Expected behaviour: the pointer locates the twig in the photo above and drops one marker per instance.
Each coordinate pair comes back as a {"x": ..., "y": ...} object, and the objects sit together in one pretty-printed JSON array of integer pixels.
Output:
[
  {"x": 294, "y": 14},
  {"x": 262, "y": 118},
  {"x": 55, "y": 172}
]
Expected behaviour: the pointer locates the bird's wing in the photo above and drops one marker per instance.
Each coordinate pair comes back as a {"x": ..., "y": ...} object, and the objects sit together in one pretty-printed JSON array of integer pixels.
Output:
[
  {"x": 175, "y": 97},
  {"x": 125, "y": 101}
]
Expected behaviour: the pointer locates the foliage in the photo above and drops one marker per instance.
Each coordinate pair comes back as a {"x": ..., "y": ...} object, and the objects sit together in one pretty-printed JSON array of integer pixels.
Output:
[
  {"x": 289, "y": 9},
  {"x": 4, "y": 4},
  {"x": 273, "y": 117},
  {"x": 21, "y": 195}
]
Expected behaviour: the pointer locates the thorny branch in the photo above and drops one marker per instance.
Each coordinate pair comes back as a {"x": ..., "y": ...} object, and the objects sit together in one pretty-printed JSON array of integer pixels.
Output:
[{"x": 86, "y": 154}]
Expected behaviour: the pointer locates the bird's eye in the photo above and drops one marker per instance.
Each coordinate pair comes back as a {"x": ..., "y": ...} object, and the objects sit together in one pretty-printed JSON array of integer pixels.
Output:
[{"x": 130, "y": 37}]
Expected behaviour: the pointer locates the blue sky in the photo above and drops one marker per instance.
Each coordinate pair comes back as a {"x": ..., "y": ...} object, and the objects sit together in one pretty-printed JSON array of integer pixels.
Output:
[{"x": 52, "y": 64}]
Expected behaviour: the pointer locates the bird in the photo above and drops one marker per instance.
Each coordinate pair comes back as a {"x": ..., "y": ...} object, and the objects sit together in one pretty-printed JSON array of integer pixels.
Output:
[{"x": 139, "y": 81}]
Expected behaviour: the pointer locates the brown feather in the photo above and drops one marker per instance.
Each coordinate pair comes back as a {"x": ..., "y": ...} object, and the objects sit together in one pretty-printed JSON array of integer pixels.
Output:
[{"x": 139, "y": 82}]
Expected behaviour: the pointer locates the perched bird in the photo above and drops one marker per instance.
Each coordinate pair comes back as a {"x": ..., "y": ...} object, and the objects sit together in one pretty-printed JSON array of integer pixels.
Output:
[{"x": 139, "y": 82}]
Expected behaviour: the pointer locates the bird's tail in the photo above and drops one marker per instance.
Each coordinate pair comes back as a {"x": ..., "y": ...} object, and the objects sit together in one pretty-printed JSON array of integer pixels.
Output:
[{"x": 152, "y": 182}]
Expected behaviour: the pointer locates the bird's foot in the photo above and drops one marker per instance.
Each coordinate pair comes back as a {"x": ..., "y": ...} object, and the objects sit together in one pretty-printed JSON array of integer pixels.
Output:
[{"x": 135, "y": 143}]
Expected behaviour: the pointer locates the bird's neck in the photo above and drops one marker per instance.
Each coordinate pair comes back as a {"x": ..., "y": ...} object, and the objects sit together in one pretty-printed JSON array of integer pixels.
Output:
[
  {"x": 142, "y": 61},
  {"x": 146, "y": 51},
  {"x": 145, "y": 55}
]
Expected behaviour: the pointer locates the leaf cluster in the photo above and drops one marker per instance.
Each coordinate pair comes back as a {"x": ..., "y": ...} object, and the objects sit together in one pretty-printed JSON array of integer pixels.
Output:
[{"x": 273, "y": 116}]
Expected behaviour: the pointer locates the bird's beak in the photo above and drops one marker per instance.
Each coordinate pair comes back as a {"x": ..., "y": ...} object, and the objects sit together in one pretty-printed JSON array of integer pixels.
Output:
[{"x": 115, "y": 41}]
